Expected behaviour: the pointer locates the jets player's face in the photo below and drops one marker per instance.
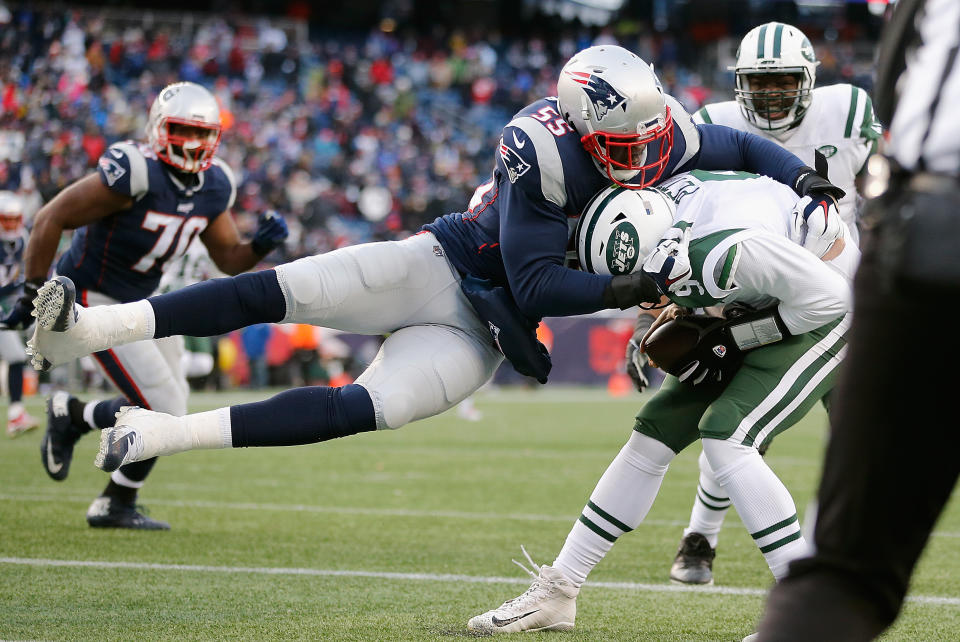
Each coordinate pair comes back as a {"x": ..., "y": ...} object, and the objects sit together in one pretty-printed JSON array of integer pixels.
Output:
[{"x": 780, "y": 93}]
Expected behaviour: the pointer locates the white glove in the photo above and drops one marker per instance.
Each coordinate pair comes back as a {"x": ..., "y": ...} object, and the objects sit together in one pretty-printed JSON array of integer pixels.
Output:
[
  {"x": 816, "y": 224},
  {"x": 669, "y": 263}
]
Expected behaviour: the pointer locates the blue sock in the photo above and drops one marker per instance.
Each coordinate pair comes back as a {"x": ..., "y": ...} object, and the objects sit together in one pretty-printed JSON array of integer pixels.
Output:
[
  {"x": 218, "y": 306},
  {"x": 105, "y": 412},
  {"x": 303, "y": 416},
  {"x": 15, "y": 381}
]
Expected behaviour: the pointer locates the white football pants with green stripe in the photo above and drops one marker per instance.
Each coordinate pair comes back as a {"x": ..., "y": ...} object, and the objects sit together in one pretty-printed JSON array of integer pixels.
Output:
[{"x": 774, "y": 388}]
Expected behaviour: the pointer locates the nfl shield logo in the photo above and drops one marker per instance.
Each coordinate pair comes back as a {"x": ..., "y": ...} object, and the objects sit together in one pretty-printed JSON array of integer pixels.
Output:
[{"x": 720, "y": 351}]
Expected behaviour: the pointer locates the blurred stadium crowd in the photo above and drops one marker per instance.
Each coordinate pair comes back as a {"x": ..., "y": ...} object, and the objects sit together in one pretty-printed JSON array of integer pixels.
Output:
[{"x": 355, "y": 136}]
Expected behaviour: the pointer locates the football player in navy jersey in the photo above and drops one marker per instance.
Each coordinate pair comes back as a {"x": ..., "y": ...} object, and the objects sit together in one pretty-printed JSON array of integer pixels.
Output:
[
  {"x": 495, "y": 269},
  {"x": 13, "y": 238},
  {"x": 142, "y": 208}
]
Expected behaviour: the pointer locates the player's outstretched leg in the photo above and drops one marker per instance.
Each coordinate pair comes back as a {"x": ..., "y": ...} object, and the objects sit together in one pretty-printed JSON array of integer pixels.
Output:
[
  {"x": 65, "y": 330},
  {"x": 550, "y": 604},
  {"x": 291, "y": 418}
]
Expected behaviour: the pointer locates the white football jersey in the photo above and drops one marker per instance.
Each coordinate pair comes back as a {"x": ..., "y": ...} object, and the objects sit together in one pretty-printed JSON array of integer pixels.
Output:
[
  {"x": 740, "y": 250},
  {"x": 840, "y": 123}
]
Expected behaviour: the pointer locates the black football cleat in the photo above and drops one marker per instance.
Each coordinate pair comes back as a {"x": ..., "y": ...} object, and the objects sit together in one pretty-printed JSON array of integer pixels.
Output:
[
  {"x": 109, "y": 512},
  {"x": 694, "y": 561},
  {"x": 56, "y": 447}
]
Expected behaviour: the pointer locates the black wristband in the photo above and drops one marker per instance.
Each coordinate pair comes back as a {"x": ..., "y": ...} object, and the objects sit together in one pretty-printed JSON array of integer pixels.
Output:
[{"x": 627, "y": 290}]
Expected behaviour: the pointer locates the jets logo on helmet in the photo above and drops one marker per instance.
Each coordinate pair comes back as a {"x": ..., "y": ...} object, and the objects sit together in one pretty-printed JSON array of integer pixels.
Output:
[
  {"x": 516, "y": 166},
  {"x": 602, "y": 95},
  {"x": 620, "y": 227}
]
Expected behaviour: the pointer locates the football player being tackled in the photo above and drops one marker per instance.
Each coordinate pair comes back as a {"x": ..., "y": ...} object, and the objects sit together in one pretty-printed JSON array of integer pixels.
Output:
[
  {"x": 140, "y": 210},
  {"x": 775, "y": 71},
  {"x": 734, "y": 243},
  {"x": 495, "y": 269}
]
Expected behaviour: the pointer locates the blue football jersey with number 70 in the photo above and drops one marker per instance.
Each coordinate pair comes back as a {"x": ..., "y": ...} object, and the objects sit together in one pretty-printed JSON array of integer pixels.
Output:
[{"x": 124, "y": 254}]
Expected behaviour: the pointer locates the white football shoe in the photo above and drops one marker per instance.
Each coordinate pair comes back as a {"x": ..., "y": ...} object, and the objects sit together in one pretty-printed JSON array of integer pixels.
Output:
[
  {"x": 550, "y": 604},
  {"x": 66, "y": 331},
  {"x": 140, "y": 434}
]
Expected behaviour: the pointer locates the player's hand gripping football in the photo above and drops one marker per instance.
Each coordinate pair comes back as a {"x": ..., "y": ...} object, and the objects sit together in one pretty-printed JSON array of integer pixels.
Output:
[{"x": 271, "y": 232}]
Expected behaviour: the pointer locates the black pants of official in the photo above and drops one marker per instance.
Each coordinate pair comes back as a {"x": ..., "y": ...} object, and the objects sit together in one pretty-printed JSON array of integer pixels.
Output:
[{"x": 892, "y": 458}]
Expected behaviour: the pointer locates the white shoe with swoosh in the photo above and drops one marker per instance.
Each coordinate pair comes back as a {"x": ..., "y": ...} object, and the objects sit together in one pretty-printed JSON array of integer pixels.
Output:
[{"x": 550, "y": 604}]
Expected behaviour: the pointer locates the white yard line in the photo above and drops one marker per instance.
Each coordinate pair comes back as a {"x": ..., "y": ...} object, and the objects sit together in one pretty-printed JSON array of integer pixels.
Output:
[
  {"x": 731, "y": 523},
  {"x": 935, "y": 600}
]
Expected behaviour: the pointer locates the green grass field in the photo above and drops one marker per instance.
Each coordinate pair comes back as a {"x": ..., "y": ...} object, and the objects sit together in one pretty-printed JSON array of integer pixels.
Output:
[{"x": 396, "y": 536}]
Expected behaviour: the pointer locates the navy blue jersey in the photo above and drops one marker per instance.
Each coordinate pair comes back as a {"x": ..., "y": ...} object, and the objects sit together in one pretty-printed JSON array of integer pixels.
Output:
[
  {"x": 11, "y": 267},
  {"x": 519, "y": 223},
  {"x": 123, "y": 255}
]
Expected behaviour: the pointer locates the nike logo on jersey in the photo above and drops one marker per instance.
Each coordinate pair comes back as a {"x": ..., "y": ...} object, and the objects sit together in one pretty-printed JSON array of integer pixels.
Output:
[
  {"x": 510, "y": 620},
  {"x": 52, "y": 464},
  {"x": 185, "y": 208},
  {"x": 517, "y": 142}
]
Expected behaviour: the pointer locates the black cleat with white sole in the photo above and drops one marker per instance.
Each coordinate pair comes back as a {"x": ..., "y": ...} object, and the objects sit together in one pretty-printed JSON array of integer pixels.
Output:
[
  {"x": 110, "y": 512},
  {"x": 694, "y": 561},
  {"x": 56, "y": 447}
]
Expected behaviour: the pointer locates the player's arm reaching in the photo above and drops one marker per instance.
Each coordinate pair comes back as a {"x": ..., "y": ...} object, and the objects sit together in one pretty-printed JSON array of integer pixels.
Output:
[
  {"x": 727, "y": 148},
  {"x": 233, "y": 255},
  {"x": 81, "y": 203}
]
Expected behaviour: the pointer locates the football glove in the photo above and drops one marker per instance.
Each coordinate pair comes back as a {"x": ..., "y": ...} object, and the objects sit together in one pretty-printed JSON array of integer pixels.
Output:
[
  {"x": 669, "y": 263},
  {"x": 809, "y": 183},
  {"x": 636, "y": 359},
  {"x": 20, "y": 316},
  {"x": 271, "y": 232},
  {"x": 816, "y": 224},
  {"x": 627, "y": 290}
]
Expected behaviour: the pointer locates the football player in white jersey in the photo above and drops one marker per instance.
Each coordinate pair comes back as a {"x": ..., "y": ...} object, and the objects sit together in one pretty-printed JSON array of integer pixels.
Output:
[
  {"x": 776, "y": 71},
  {"x": 751, "y": 376}
]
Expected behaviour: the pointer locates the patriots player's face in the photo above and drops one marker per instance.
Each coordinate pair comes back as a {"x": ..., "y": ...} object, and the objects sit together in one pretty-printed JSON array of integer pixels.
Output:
[
  {"x": 189, "y": 140},
  {"x": 779, "y": 93},
  {"x": 624, "y": 152}
]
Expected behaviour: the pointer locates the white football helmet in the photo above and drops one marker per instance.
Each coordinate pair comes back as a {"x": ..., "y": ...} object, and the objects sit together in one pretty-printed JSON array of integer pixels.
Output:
[
  {"x": 775, "y": 48},
  {"x": 614, "y": 101},
  {"x": 11, "y": 216},
  {"x": 184, "y": 126},
  {"x": 620, "y": 227}
]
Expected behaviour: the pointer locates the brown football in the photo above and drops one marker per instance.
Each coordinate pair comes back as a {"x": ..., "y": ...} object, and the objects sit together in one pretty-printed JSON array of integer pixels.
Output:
[{"x": 671, "y": 342}]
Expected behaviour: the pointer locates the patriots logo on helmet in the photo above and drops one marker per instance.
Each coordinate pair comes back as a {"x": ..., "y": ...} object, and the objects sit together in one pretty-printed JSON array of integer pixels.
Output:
[
  {"x": 601, "y": 93},
  {"x": 516, "y": 166}
]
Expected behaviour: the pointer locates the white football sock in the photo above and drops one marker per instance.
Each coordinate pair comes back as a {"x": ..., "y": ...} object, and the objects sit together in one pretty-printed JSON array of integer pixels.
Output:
[
  {"x": 762, "y": 501},
  {"x": 88, "y": 415},
  {"x": 618, "y": 504},
  {"x": 119, "y": 324},
  {"x": 710, "y": 505},
  {"x": 120, "y": 479},
  {"x": 209, "y": 429}
]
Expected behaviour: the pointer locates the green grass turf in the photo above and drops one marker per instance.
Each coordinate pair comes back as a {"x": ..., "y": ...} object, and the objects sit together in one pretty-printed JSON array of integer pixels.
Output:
[{"x": 443, "y": 496}]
